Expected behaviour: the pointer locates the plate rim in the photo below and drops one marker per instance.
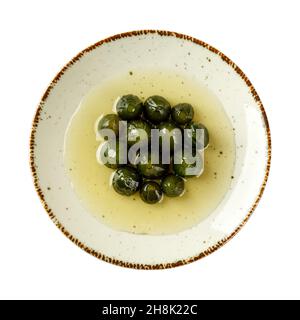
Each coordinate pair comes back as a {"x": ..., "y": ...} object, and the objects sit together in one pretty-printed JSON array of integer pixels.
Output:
[{"x": 36, "y": 120}]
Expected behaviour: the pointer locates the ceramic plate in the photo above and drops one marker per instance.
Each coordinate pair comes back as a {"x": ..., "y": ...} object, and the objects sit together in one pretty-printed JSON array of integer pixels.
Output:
[{"x": 130, "y": 51}]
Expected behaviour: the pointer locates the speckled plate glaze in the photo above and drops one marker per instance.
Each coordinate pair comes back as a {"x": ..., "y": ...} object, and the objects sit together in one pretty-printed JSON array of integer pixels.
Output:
[{"x": 121, "y": 53}]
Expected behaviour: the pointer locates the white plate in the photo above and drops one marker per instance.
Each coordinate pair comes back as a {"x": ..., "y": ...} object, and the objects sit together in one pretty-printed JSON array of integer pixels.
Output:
[{"x": 108, "y": 58}]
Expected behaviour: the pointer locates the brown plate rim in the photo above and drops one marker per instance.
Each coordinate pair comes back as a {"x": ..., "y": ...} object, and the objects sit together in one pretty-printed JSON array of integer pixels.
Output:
[{"x": 97, "y": 254}]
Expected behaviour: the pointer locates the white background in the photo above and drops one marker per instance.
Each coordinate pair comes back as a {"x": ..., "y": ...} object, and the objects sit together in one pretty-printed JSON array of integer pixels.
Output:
[{"x": 38, "y": 38}]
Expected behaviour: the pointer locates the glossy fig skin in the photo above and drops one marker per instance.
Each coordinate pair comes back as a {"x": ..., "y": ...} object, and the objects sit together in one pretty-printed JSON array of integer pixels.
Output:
[
  {"x": 151, "y": 192},
  {"x": 157, "y": 109},
  {"x": 182, "y": 163},
  {"x": 110, "y": 155},
  {"x": 138, "y": 130},
  {"x": 150, "y": 170},
  {"x": 166, "y": 129},
  {"x": 109, "y": 121},
  {"x": 129, "y": 107},
  {"x": 192, "y": 135},
  {"x": 173, "y": 186},
  {"x": 175, "y": 126},
  {"x": 182, "y": 113},
  {"x": 126, "y": 181}
]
